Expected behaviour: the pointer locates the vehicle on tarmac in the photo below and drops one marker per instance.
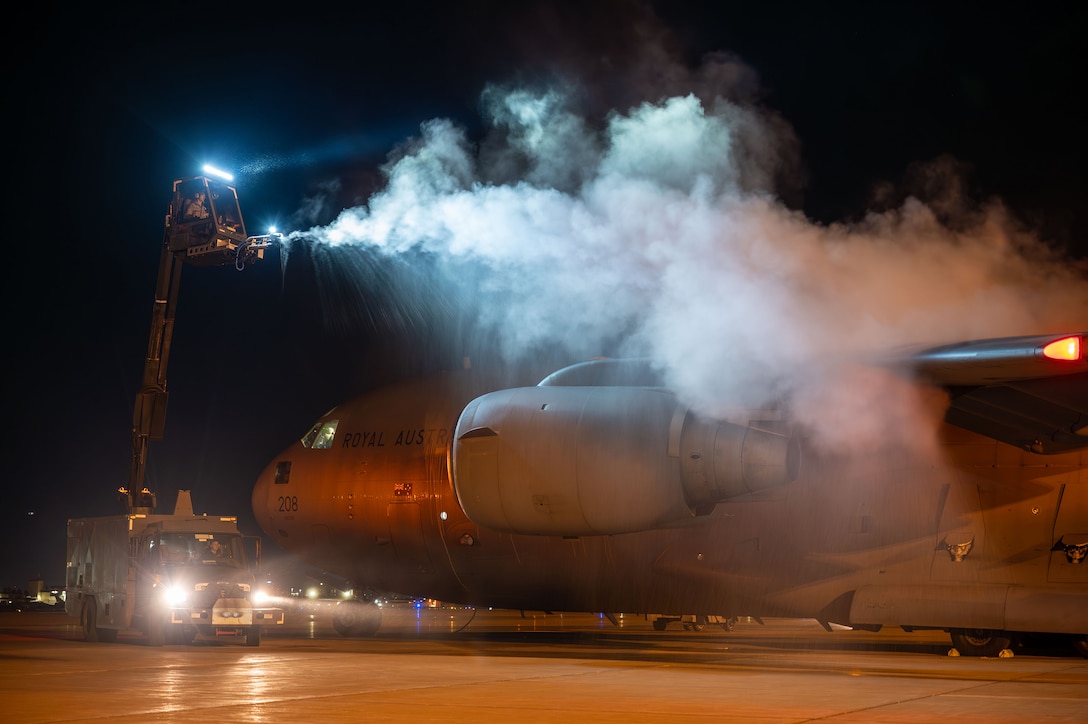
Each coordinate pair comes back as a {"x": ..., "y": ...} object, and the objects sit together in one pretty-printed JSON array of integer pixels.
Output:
[
  {"x": 170, "y": 577},
  {"x": 178, "y": 575}
]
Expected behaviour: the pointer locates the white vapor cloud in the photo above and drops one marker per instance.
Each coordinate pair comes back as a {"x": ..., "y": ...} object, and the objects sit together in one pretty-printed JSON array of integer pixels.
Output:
[{"x": 661, "y": 223}]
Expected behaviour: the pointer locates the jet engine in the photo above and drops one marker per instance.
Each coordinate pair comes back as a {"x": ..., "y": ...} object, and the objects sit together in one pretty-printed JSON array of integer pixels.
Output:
[{"x": 553, "y": 460}]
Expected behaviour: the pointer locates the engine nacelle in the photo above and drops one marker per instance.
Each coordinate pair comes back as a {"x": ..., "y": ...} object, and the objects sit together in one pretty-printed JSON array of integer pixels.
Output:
[{"x": 555, "y": 460}]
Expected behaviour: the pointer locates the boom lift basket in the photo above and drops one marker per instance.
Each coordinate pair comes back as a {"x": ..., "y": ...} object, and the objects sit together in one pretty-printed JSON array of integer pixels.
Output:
[{"x": 205, "y": 222}]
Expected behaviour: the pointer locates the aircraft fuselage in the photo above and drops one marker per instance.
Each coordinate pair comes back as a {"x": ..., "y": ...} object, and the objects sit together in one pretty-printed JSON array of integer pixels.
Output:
[{"x": 990, "y": 537}]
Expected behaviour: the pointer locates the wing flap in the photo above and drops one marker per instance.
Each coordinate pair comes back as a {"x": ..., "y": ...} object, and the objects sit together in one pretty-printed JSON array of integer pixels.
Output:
[
  {"x": 1011, "y": 390},
  {"x": 1025, "y": 414}
]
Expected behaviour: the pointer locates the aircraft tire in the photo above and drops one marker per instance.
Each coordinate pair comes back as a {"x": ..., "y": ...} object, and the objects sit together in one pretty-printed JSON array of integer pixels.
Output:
[
  {"x": 980, "y": 641},
  {"x": 89, "y": 619},
  {"x": 356, "y": 618},
  {"x": 253, "y": 636}
]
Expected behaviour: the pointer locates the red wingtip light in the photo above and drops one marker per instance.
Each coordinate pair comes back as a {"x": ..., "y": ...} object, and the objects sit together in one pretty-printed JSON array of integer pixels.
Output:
[{"x": 1066, "y": 348}]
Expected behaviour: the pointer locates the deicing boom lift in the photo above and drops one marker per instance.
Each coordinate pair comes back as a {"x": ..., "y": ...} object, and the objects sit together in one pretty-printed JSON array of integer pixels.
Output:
[{"x": 203, "y": 227}]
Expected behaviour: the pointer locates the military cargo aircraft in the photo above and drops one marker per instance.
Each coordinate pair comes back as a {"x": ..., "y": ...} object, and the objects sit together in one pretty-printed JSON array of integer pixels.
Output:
[{"x": 599, "y": 490}]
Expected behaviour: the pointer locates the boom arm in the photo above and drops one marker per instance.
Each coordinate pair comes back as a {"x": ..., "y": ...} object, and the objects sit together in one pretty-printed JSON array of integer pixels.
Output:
[{"x": 203, "y": 227}]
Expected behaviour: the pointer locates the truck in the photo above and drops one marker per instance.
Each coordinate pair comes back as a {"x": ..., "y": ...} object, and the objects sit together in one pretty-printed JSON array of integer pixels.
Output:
[
  {"x": 175, "y": 576},
  {"x": 171, "y": 577}
]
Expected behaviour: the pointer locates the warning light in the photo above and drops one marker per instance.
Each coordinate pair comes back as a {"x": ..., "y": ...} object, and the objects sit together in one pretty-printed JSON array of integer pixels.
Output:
[{"x": 1067, "y": 348}]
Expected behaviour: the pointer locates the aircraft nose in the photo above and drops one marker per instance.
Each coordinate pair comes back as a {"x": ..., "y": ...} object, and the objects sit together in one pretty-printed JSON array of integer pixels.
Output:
[{"x": 263, "y": 495}]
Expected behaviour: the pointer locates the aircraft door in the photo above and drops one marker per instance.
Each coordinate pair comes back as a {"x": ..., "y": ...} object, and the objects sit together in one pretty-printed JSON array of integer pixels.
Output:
[
  {"x": 321, "y": 537},
  {"x": 406, "y": 534}
]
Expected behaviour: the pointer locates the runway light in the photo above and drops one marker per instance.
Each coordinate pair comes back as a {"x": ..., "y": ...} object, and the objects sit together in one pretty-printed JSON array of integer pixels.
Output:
[{"x": 1067, "y": 348}]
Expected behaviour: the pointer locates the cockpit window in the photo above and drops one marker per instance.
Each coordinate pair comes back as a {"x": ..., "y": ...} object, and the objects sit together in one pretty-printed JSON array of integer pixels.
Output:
[
  {"x": 308, "y": 438},
  {"x": 321, "y": 435}
]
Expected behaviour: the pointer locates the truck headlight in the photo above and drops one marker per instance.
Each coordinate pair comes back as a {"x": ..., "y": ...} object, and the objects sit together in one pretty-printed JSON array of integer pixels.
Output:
[
  {"x": 175, "y": 595},
  {"x": 260, "y": 596}
]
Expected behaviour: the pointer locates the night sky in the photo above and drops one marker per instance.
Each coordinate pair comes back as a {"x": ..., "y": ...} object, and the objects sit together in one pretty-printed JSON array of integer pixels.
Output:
[{"x": 307, "y": 106}]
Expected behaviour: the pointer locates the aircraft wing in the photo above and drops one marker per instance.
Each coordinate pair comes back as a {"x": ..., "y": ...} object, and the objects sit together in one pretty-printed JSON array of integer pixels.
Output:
[{"x": 1031, "y": 392}]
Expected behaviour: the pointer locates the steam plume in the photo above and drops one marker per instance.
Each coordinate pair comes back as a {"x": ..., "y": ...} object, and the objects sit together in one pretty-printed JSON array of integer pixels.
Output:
[{"x": 660, "y": 224}]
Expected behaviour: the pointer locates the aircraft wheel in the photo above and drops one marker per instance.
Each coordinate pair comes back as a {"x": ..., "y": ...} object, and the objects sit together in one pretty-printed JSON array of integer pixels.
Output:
[
  {"x": 1080, "y": 645},
  {"x": 89, "y": 619},
  {"x": 980, "y": 641},
  {"x": 253, "y": 636},
  {"x": 356, "y": 618},
  {"x": 660, "y": 624}
]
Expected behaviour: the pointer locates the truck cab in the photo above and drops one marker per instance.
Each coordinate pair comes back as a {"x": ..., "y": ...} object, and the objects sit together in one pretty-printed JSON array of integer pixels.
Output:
[{"x": 171, "y": 577}]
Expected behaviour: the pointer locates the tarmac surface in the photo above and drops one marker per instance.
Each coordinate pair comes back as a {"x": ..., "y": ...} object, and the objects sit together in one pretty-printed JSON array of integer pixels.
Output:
[{"x": 464, "y": 665}]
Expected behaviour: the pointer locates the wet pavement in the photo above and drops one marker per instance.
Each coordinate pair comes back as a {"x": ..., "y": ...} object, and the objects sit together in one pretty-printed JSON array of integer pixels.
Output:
[{"x": 473, "y": 666}]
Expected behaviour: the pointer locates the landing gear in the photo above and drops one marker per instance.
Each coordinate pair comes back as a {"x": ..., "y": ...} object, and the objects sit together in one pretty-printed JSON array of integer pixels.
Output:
[
  {"x": 357, "y": 618},
  {"x": 980, "y": 641},
  {"x": 697, "y": 623}
]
